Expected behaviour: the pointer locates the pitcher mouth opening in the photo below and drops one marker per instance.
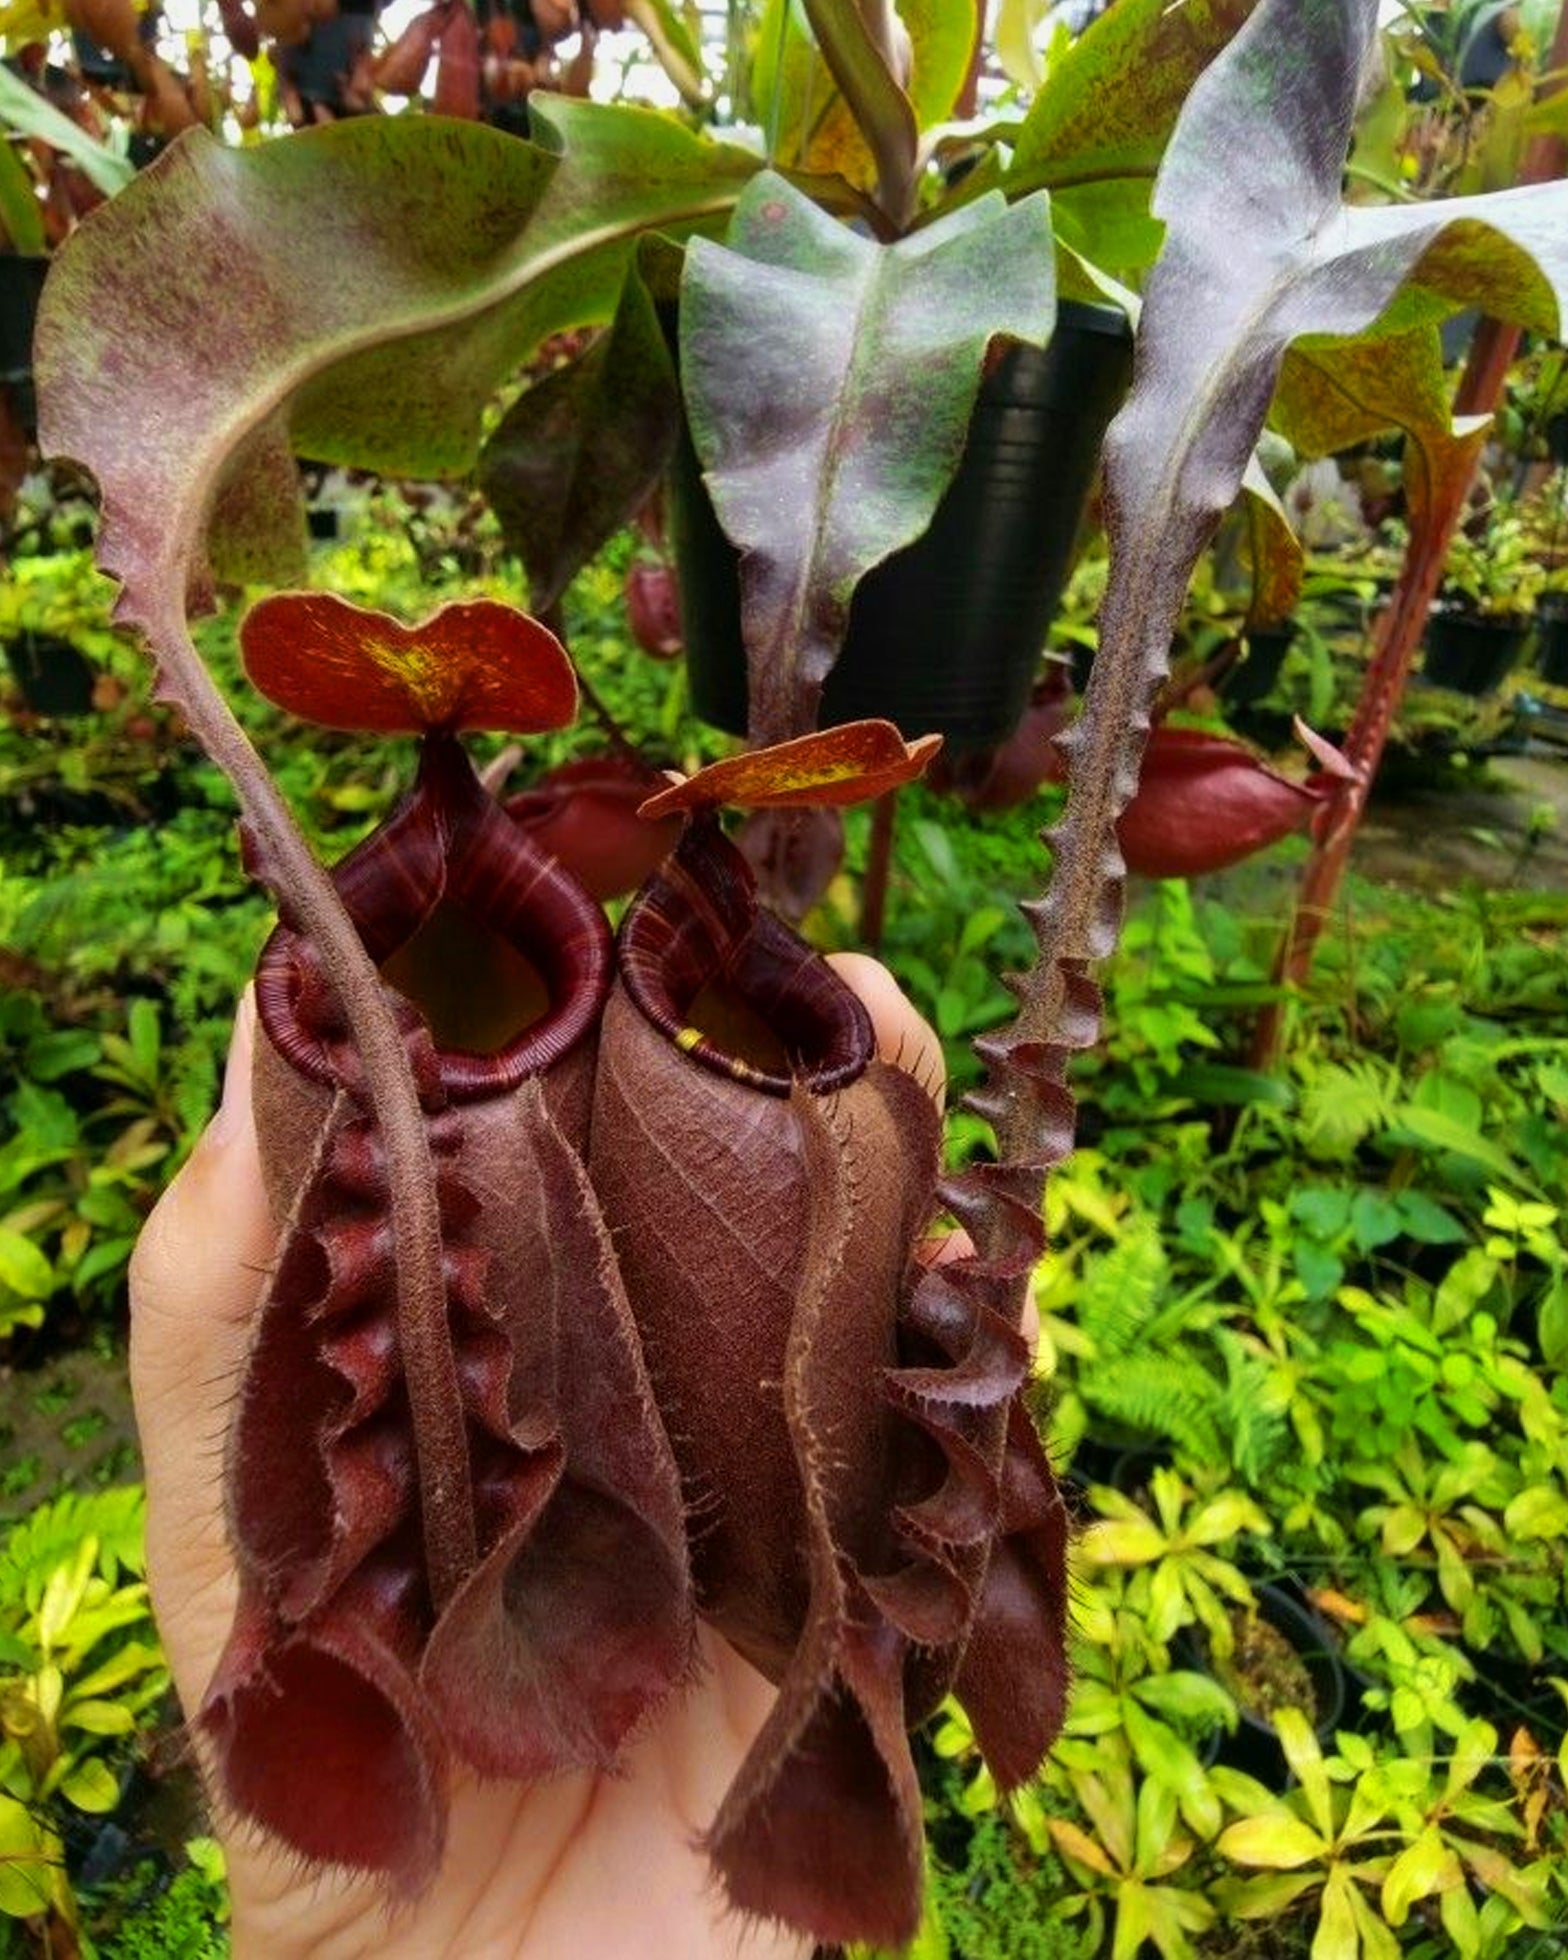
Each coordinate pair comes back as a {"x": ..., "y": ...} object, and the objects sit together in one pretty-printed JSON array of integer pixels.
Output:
[
  {"x": 732, "y": 986},
  {"x": 501, "y": 953}
]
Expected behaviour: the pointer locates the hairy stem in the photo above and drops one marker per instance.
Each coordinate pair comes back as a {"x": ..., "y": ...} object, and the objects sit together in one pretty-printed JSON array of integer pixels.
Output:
[
  {"x": 1026, "y": 1097},
  {"x": 1400, "y": 628},
  {"x": 440, "y": 1433}
]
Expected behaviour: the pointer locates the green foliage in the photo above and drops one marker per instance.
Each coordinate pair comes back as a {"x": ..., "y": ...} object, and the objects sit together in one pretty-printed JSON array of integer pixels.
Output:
[
  {"x": 186, "y": 1919},
  {"x": 1494, "y": 568},
  {"x": 993, "y": 1901},
  {"x": 1173, "y": 1551},
  {"x": 80, "y": 1674},
  {"x": 99, "y": 1117}
]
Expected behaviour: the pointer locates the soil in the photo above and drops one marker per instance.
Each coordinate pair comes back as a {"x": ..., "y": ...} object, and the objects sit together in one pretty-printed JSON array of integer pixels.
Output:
[
  {"x": 1263, "y": 1671},
  {"x": 1432, "y": 841},
  {"x": 64, "y": 1426}
]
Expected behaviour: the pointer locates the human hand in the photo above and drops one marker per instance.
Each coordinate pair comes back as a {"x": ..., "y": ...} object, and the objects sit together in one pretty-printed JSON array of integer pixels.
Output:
[{"x": 585, "y": 1864}]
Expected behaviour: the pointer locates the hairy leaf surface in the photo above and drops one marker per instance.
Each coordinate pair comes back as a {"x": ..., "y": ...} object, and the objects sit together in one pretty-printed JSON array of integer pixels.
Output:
[
  {"x": 353, "y": 293},
  {"x": 830, "y": 381}
]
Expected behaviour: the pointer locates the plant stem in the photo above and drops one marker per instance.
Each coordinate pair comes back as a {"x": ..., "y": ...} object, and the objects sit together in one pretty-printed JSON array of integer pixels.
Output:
[
  {"x": 1399, "y": 630},
  {"x": 619, "y": 739},
  {"x": 285, "y": 860},
  {"x": 859, "y": 43}
]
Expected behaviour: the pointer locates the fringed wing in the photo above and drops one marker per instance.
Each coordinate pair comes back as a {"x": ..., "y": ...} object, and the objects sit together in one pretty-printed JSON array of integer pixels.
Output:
[
  {"x": 544, "y": 1630},
  {"x": 871, "y": 1503}
]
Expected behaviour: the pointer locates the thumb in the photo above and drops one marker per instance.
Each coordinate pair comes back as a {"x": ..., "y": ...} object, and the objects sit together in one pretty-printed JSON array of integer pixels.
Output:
[{"x": 196, "y": 1279}]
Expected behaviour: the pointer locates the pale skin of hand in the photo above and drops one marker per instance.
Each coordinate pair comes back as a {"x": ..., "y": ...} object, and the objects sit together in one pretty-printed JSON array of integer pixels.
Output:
[{"x": 584, "y": 1865}]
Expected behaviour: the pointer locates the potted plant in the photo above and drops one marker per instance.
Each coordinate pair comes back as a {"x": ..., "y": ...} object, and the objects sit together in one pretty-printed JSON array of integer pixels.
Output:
[
  {"x": 1491, "y": 582},
  {"x": 466, "y": 248},
  {"x": 944, "y": 636},
  {"x": 1281, "y": 1656},
  {"x": 1546, "y": 513},
  {"x": 1016, "y": 390}
]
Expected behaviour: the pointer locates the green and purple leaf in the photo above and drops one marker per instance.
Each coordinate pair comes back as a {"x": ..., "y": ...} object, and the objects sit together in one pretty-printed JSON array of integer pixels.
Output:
[
  {"x": 1333, "y": 395},
  {"x": 831, "y": 379},
  {"x": 354, "y": 293},
  {"x": 1114, "y": 98},
  {"x": 584, "y": 447},
  {"x": 1095, "y": 134}
]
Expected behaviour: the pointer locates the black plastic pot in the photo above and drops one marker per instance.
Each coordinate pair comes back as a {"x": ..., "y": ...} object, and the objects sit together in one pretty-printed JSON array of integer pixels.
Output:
[
  {"x": 1470, "y": 653},
  {"x": 56, "y": 678},
  {"x": 1254, "y": 1746},
  {"x": 945, "y": 636},
  {"x": 1551, "y": 642},
  {"x": 21, "y": 281},
  {"x": 1254, "y": 676}
]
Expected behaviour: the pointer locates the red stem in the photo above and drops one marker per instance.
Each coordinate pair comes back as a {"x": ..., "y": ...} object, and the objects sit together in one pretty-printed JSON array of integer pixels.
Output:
[{"x": 879, "y": 863}]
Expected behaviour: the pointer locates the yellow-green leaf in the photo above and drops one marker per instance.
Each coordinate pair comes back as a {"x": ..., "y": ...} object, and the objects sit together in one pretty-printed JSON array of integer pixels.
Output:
[
  {"x": 1337, "y": 1936},
  {"x": 91, "y": 1786},
  {"x": 1377, "y": 1942},
  {"x": 1424, "y": 1867},
  {"x": 99, "y": 1717},
  {"x": 1280, "y": 1841},
  {"x": 1306, "y": 1761},
  {"x": 1075, "y": 1843},
  {"x": 27, "y": 1855},
  {"x": 1121, "y": 1541}
]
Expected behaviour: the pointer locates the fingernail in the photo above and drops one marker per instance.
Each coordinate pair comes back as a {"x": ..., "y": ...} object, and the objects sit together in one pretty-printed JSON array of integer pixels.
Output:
[{"x": 234, "y": 1110}]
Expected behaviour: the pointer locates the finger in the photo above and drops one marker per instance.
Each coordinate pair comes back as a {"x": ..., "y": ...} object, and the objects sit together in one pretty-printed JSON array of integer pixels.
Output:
[
  {"x": 196, "y": 1279},
  {"x": 903, "y": 1036}
]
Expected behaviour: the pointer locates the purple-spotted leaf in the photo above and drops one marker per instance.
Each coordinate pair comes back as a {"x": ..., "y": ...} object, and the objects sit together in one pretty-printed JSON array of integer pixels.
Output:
[
  {"x": 354, "y": 293},
  {"x": 473, "y": 664},
  {"x": 1337, "y": 393},
  {"x": 1116, "y": 94},
  {"x": 847, "y": 764},
  {"x": 581, "y": 450},
  {"x": 833, "y": 378}
]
